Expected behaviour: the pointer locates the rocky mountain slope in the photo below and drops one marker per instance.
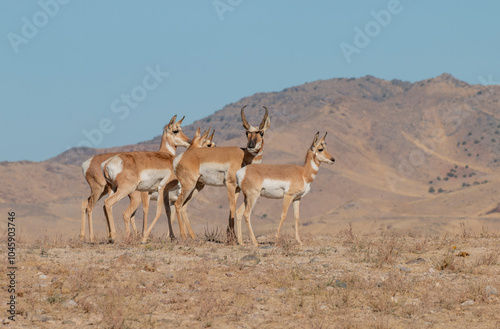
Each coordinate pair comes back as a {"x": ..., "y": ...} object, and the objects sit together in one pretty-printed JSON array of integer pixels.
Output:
[{"x": 421, "y": 155}]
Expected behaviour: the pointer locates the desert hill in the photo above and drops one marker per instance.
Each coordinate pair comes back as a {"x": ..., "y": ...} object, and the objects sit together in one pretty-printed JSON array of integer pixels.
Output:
[{"x": 421, "y": 155}]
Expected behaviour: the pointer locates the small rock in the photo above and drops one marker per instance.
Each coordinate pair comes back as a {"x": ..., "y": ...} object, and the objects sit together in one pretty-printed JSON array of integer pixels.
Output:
[
  {"x": 415, "y": 261},
  {"x": 380, "y": 284},
  {"x": 404, "y": 269},
  {"x": 491, "y": 291},
  {"x": 468, "y": 303},
  {"x": 42, "y": 277},
  {"x": 323, "y": 307},
  {"x": 432, "y": 270},
  {"x": 70, "y": 304},
  {"x": 197, "y": 282},
  {"x": 315, "y": 259},
  {"x": 38, "y": 274},
  {"x": 5, "y": 321},
  {"x": 69, "y": 322},
  {"x": 251, "y": 258},
  {"x": 267, "y": 247},
  {"x": 229, "y": 274},
  {"x": 43, "y": 318},
  {"x": 340, "y": 284},
  {"x": 169, "y": 276},
  {"x": 54, "y": 279}
]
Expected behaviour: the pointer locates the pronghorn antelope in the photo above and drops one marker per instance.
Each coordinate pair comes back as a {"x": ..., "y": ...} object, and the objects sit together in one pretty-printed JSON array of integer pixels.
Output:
[
  {"x": 98, "y": 188},
  {"x": 144, "y": 172},
  {"x": 93, "y": 174},
  {"x": 288, "y": 182},
  {"x": 199, "y": 140},
  {"x": 217, "y": 167}
]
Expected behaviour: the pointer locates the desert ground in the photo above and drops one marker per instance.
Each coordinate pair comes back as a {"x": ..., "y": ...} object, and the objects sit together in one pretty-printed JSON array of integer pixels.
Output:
[
  {"x": 403, "y": 231},
  {"x": 381, "y": 278}
]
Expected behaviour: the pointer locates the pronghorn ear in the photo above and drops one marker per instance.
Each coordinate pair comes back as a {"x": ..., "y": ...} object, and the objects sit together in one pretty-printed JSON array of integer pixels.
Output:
[
  {"x": 212, "y": 136},
  {"x": 180, "y": 121},
  {"x": 205, "y": 134},
  {"x": 267, "y": 124},
  {"x": 171, "y": 122},
  {"x": 315, "y": 141},
  {"x": 197, "y": 133},
  {"x": 323, "y": 139}
]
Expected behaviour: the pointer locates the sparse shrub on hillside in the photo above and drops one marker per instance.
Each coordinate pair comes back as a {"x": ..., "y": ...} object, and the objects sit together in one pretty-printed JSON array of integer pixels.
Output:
[{"x": 431, "y": 189}]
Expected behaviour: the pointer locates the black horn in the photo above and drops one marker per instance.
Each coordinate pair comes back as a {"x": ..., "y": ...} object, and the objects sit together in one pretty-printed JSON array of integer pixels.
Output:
[
  {"x": 246, "y": 125},
  {"x": 263, "y": 123}
]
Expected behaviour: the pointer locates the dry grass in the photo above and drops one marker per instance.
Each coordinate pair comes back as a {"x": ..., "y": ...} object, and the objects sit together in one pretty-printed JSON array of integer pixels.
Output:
[{"x": 383, "y": 279}]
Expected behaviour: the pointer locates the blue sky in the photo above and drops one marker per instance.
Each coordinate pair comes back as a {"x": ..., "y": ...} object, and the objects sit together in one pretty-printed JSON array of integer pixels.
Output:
[{"x": 109, "y": 73}]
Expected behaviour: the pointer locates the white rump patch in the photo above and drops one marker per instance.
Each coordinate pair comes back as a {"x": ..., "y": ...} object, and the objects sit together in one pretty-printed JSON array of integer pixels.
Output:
[
  {"x": 214, "y": 173},
  {"x": 274, "y": 189},
  {"x": 114, "y": 166},
  {"x": 85, "y": 166}
]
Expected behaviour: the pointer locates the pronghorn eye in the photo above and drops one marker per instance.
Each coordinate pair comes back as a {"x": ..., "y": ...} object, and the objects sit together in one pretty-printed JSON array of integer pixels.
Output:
[
  {"x": 176, "y": 131},
  {"x": 320, "y": 150},
  {"x": 261, "y": 133}
]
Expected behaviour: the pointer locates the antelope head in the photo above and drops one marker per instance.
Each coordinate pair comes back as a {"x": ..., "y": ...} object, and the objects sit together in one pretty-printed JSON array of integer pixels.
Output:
[
  {"x": 203, "y": 140},
  {"x": 318, "y": 147},
  {"x": 255, "y": 135},
  {"x": 175, "y": 134}
]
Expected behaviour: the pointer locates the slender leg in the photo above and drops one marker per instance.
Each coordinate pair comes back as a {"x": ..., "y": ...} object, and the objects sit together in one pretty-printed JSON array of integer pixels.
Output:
[
  {"x": 286, "y": 204},
  {"x": 168, "y": 211},
  {"x": 232, "y": 195},
  {"x": 121, "y": 192},
  {"x": 146, "y": 197},
  {"x": 296, "y": 214},
  {"x": 129, "y": 213},
  {"x": 187, "y": 224},
  {"x": 83, "y": 216},
  {"x": 161, "y": 200},
  {"x": 239, "y": 216},
  {"x": 188, "y": 186},
  {"x": 249, "y": 204},
  {"x": 97, "y": 193},
  {"x": 159, "y": 205},
  {"x": 171, "y": 218}
]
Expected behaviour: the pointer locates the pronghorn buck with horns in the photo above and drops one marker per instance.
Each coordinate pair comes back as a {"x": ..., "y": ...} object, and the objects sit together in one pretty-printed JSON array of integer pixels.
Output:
[
  {"x": 217, "y": 167},
  {"x": 144, "y": 172},
  {"x": 288, "y": 182}
]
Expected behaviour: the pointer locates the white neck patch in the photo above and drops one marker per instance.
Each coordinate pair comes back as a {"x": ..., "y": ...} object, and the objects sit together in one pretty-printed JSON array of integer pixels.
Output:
[{"x": 314, "y": 165}]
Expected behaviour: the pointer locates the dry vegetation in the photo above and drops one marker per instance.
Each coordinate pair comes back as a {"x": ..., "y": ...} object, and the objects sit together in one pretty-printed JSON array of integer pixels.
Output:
[{"x": 382, "y": 279}]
